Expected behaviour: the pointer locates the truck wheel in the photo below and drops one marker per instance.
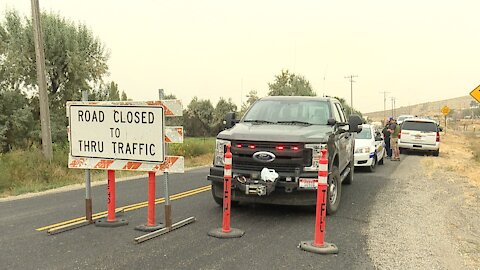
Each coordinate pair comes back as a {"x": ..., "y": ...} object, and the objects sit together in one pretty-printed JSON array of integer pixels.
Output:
[
  {"x": 349, "y": 179},
  {"x": 436, "y": 153},
  {"x": 219, "y": 200},
  {"x": 372, "y": 167},
  {"x": 334, "y": 191}
]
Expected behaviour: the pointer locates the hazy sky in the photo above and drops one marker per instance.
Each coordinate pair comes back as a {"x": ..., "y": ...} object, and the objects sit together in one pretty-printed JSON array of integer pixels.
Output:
[{"x": 417, "y": 50}]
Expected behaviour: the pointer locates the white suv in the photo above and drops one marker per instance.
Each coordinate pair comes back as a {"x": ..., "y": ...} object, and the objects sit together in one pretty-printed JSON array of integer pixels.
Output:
[
  {"x": 419, "y": 134},
  {"x": 401, "y": 118}
]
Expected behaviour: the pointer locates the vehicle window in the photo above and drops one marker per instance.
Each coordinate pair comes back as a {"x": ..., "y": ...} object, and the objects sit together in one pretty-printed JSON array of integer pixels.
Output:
[
  {"x": 336, "y": 113},
  {"x": 312, "y": 112},
  {"x": 340, "y": 112},
  {"x": 419, "y": 126},
  {"x": 366, "y": 133}
]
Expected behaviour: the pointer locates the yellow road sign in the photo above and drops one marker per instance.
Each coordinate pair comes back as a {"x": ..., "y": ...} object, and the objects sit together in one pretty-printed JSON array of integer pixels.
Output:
[
  {"x": 445, "y": 110},
  {"x": 476, "y": 93}
]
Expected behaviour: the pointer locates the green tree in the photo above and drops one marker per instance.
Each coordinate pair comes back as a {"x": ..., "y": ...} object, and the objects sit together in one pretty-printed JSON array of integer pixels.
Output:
[
  {"x": 16, "y": 121},
  {"x": 348, "y": 110},
  {"x": 75, "y": 59},
  {"x": 289, "y": 84},
  {"x": 198, "y": 118},
  {"x": 252, "y": 96},
  {"x": 222, "y": 108},
  {"x": 113, "y": 93},
  {"x": 124, "y": 96}
]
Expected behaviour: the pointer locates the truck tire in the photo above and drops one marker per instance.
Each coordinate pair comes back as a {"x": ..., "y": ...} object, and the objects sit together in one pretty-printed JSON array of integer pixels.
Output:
[
  {"x": 334, "y": 191},
  {"x": 436, "y": 153},
  {"x": 349, "y": 179},
  {"x": 219, "y": 200}
]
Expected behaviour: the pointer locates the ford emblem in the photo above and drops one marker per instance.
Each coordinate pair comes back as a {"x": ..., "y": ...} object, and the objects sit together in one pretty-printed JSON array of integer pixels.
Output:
[{"x": 264, "y": 156}]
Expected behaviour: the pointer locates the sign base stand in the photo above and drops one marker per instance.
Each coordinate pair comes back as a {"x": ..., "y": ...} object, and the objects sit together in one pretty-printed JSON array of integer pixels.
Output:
[
  {"x": 149, "y": 228},
  {"x": 327, "y": 248},
  {"x": 165, "y": 230},
  {"x": 112, "y": 224},
  {"x": 219, "y": 233}
]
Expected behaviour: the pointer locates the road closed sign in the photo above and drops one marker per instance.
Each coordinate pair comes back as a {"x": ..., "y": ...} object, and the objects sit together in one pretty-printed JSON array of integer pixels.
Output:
[{"x": 117, "y": 132}]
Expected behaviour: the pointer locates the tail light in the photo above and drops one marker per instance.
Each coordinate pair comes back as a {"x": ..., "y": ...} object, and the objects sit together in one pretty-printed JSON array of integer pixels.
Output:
[
  {"x": 438, "y": 137},
  {"x": 400, "y": 134}
]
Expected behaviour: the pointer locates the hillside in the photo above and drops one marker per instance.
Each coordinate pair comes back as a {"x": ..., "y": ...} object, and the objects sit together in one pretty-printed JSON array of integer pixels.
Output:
[{"x": 428, "y": 109}]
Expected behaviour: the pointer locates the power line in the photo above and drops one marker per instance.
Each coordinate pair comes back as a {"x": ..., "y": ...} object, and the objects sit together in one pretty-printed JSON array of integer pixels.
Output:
[
  {"x": 393, "y": 105},
  {"x": 384, "y": 103},
  {"x": 351, "y": 88}
]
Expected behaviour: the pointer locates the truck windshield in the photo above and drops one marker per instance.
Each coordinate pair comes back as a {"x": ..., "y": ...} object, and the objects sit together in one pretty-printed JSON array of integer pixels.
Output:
[{"x": 289, "y": 112}]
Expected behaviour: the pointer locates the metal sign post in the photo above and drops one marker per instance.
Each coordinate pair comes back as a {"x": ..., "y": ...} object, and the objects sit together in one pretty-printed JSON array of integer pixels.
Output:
[
  {"x": 168, "y": 207},
  {"x": 171, "y": 135},
  {"x": 445, "y": 110},
  {"x": 88, "y": 185}
]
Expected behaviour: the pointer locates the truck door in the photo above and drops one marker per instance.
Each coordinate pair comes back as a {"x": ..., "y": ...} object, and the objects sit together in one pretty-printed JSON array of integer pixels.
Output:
[{"x": 345, "y": 142}]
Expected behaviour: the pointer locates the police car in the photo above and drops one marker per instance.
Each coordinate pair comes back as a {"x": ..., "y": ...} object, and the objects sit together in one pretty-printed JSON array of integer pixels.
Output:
[{"x": 369, "y": 148}]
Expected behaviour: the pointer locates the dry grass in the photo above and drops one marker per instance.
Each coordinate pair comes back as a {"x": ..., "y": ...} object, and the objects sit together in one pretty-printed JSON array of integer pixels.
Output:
[{"x": 459, "y": 153}]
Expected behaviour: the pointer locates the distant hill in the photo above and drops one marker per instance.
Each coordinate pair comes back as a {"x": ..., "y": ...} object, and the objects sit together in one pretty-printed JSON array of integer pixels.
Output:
[{"x": 428, "y": 109}]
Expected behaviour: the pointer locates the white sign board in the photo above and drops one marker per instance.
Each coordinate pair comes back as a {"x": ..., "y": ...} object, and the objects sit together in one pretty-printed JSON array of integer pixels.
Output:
[{"x": 127, "y": 132}]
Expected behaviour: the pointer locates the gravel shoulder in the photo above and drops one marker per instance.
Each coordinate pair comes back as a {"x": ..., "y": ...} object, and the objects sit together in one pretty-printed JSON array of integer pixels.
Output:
[{"x": 425, "y": 221}]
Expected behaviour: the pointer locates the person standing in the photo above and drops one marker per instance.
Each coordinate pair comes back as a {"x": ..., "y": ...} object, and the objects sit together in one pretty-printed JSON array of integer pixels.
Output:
[
  {"x": 394, "y": 130},
  {"x": 386, "y": 137}
]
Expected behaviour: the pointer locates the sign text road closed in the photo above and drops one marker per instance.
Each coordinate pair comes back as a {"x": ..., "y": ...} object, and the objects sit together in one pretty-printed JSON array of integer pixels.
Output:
[{"x": 117, "y": 132}]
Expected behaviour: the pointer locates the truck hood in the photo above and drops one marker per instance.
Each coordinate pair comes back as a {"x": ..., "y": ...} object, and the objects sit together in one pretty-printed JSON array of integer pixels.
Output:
[{"x": 277, "y": 133}]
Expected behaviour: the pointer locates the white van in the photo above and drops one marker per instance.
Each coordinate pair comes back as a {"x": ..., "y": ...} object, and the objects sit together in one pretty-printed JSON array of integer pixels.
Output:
[{"x": 419, "y": 134}]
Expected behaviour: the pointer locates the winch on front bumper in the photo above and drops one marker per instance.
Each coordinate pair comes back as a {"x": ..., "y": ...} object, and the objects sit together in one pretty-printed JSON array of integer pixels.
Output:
[
  {"x": 254, "y": 186},
  {"x": 248, "y": 183}
]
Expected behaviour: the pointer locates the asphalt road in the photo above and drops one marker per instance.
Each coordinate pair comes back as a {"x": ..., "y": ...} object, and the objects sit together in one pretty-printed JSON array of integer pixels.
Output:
[{"x": 272, "y": 233}]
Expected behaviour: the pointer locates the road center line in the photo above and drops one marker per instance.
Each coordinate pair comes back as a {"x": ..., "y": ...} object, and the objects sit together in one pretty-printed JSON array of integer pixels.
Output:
[{"x": 127, "y": 208}]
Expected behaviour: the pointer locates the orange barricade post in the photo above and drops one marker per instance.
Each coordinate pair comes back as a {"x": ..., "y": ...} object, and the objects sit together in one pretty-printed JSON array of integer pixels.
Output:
[
  {"x": 111, "y": 220},
  {"x": 151, "y": 225},
  {"x": 318, "y": 245},
  {"x": 226, "y": 231}
]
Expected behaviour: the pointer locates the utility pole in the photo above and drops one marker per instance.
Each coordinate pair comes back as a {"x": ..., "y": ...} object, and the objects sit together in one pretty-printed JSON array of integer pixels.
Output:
[
  {"x": 384, "y": 104},
  {"x": 351, "y": 88},
  {"x": 42, "y": 82}
]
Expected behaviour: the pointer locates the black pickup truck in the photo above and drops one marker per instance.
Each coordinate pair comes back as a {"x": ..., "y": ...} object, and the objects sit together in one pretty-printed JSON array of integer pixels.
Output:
[{"x": 285, "y": 135}]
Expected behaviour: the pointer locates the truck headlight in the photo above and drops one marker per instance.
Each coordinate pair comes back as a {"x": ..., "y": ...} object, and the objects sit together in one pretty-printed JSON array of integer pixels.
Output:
[
  {"x": 219, "y": 152},
  {"x": 362, "y": 150},
  {"x": 316, "y": 155}
]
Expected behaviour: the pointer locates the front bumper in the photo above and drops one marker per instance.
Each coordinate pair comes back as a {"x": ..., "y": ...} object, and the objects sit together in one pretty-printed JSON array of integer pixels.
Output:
[
  {"x": 283, "y": 193},
  {"x": 363, "y": 159}
]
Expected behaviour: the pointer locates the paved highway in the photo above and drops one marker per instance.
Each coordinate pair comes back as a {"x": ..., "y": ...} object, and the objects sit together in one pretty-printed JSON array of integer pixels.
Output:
[{"x": 272, "y": 233}]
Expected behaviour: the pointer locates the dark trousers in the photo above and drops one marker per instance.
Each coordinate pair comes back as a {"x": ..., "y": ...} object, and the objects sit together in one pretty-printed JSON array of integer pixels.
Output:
[{"x": 387, "y": 146}]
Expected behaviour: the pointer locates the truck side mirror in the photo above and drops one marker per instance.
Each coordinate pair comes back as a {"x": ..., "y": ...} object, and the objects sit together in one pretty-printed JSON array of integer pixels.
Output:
[
  {"x": 354, "y": 123},
  {"x": 331, "y": 121},
  {"x": 230, "y": 120}
]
